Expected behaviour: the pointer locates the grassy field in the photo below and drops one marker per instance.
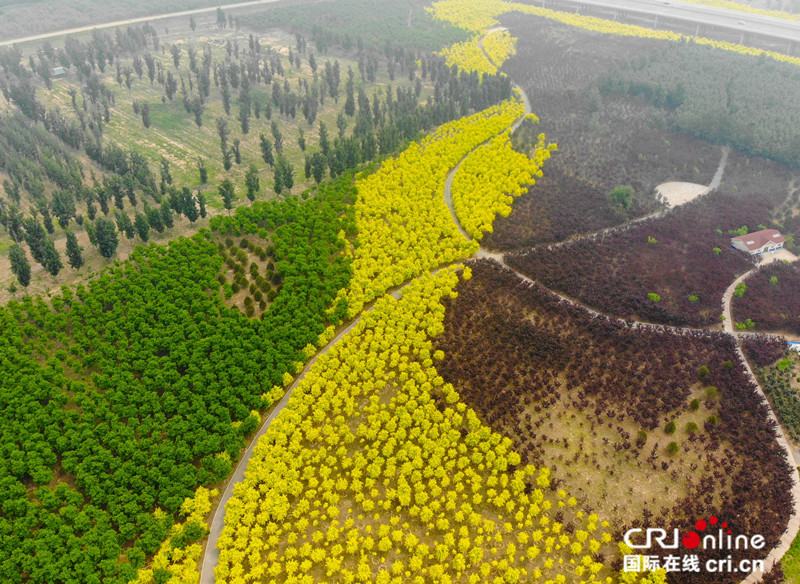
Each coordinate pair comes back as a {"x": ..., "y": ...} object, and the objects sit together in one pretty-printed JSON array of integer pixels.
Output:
[{"x": 175, "y": 135}]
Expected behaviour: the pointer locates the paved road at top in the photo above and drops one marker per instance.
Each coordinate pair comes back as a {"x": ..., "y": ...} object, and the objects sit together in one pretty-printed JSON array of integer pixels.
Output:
[
  {"x": 700, "y": 14},
  {"x": 47, "y": 35}
]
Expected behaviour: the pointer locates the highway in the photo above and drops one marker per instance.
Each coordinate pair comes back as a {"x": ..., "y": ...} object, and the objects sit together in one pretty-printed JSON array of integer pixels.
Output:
[
  {"x": 47, "y": 35},
  {"x": 705, "y": 16}
]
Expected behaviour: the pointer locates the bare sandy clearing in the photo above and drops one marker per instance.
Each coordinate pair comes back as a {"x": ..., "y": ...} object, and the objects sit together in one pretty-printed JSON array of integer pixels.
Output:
[{"x": 678, "y": 193}]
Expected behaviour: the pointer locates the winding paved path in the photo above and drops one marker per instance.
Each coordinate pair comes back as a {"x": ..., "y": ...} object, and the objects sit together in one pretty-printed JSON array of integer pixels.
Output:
[
  {"x": 211, "y": 553},
  {"x": 791, "y": 454},
  {"x": 793, "y": 526}
]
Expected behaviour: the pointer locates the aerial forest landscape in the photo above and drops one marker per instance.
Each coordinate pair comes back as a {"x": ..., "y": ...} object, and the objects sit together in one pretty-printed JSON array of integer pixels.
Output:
[{"x": 419, "y": 291}]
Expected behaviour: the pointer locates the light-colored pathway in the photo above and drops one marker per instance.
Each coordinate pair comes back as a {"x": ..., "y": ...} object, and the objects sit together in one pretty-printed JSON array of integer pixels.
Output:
[
  {"x": 211, "y": 552},
  {"x": 794, "y": 520}
]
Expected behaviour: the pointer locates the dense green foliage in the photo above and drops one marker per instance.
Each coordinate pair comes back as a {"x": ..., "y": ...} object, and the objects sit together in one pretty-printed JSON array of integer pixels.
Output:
[
  {"x": 124, "y": 395},
  {"x": 375, "y": 24},
  {"x": 777, "y": 382},
  {"x": 719, "y": 96}
]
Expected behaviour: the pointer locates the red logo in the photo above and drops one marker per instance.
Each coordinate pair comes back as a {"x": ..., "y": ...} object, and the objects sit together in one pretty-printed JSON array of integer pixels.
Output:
[{"x": 691, "y": 539}]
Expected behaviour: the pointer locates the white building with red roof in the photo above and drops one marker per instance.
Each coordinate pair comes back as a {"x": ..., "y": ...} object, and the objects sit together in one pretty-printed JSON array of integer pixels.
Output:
[{"x": 759, "y": 242}]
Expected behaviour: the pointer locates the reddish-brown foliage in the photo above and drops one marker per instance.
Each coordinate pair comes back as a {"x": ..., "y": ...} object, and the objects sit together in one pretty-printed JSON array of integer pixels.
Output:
[
  {"x": 615, "y": 273},
  {"x": 513, "y": 349},
  {"x": 603, "y": 142},
  {"x": 763, "y": 350},
  {"x": 771, "y": 306}
]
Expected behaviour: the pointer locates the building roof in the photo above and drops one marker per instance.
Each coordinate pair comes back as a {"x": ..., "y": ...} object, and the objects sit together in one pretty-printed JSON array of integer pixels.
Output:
[{"x": 759, "y": 239}]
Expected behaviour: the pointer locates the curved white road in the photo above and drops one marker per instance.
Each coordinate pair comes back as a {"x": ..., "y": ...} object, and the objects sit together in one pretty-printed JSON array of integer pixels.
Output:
[{"x": 211, "y": 553}]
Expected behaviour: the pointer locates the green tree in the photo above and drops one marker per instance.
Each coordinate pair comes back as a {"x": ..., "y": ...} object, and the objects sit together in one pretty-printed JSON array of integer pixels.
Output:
[
  {"x": 91, "y": 233},
  {"x": 166, "y": 215},
  {"x": 324, "y": 144},
  {"x": 146, "y": 115},
  {"x": 36, "y": 238},
  {"x": 266, "y": 150},
  {"x": 176, "y": 55},
  {"x": 201, "y": 168},
  {"x": 622, "y": 196},
  {"x": 318, "y": 165},
  {"x": 228, "y": 193},
  {"x": 74, "y": 251},
  {"x": 284, "y": 175},
  {"x": 19, "y": 264},
  {"x": 124, "y": 224},
  {"x": 154, "y": 218},
  {"x": 189, "y": 205},
  {"x": 236, "y": 153},
  {"x": 252, "y": 183},
  {"x": 166, "y": 175},
  {"x": 142, "y": 227},
  {"x": 223, "y": 131},
  {"x": 63, "y": 207},
  {"x": 201, "y": 202},
  {"x": 277, "y": 136},
  {"x": 106, "y": 237}
]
